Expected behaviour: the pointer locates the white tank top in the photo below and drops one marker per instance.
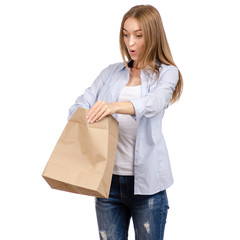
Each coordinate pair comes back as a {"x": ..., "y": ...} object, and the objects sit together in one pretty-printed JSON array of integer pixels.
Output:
[{"x": 126, "y": 134}]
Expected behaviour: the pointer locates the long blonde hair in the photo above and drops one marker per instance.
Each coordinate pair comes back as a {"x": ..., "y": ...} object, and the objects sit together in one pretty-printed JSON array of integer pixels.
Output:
[{"x": 156, "y": 48}]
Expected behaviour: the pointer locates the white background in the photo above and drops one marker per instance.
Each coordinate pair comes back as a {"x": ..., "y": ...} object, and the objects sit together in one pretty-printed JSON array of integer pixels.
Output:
[{"x": 50, "y": 51}]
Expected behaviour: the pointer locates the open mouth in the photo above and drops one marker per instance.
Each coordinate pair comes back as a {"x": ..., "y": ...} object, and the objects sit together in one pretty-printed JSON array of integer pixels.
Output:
[{"x": 132, "y": 51}]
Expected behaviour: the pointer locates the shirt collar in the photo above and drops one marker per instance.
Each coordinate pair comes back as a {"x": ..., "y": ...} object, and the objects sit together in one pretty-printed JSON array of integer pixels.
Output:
[{"x": 122, "y": 66}]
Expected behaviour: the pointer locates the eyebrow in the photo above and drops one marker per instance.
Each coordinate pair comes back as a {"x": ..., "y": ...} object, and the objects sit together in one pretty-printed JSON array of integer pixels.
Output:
[{"x": 134, "y": 31}]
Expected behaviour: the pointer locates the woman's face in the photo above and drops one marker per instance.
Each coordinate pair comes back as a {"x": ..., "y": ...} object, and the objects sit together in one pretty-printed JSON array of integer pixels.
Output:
[{"x": 133, "y": 38}]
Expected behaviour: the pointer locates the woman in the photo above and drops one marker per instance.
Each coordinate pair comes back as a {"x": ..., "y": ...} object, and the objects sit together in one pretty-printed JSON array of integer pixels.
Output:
[{"x": 136, "y": 92}]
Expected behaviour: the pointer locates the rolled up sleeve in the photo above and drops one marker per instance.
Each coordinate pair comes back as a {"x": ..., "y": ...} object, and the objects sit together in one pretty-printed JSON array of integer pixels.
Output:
[{"x": 159, "y": 97}]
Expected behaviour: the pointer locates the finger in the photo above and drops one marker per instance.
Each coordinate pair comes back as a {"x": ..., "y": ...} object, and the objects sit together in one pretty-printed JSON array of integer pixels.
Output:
[
  {"x": 106, "y": 113},
  {"x": 102, "y": 111},
  {"x": 92, "y": 109},
  {"x": 95, "y": 108},
  {"x": 102, "y": 116}
]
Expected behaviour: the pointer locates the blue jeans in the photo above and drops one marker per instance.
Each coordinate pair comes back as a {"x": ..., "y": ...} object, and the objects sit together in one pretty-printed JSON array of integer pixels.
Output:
[{"x": 148, "y": 212}]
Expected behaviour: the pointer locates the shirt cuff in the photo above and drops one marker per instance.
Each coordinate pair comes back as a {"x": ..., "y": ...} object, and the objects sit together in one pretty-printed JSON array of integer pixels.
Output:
[{"x": 138, "y": 107}]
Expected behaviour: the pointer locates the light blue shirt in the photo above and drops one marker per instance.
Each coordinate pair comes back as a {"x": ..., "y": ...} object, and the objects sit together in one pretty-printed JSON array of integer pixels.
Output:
[{"x": 152, "y": 170}]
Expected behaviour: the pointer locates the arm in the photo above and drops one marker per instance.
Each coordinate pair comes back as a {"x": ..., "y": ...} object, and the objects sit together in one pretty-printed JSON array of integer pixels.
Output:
[
  {"x": 157, "y": 99},
  {"x": 90, "y": 95},
  {"x": 102, "y": 109},
  {"x": 147, "y": 106}
]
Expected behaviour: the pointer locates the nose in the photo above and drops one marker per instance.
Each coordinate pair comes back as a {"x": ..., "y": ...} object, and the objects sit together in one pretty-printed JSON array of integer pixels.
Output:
[{"x": 131, "y": 40}]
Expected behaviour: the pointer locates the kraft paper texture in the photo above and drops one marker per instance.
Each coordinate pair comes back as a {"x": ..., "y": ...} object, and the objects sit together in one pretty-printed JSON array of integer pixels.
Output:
[{"x": 83, "y": 158}]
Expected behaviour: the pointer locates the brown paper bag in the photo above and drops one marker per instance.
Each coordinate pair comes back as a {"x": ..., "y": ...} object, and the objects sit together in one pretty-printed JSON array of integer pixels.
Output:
[{"x": 83, "y": 158}]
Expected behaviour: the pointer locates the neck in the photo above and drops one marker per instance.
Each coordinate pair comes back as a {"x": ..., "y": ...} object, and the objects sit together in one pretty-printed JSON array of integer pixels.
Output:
[{"x": 137, "y": 65}]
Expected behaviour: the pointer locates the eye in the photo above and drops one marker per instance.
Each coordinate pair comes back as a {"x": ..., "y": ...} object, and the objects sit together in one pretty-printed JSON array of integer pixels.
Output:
[
  {"x": 139, "y": 36},
  {"x": 125, "y": 35}
]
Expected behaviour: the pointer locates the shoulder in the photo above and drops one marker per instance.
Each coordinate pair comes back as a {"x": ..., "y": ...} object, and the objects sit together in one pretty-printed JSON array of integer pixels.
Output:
[
  {"x": 168, "y": 73},
  {"x": 168, "y": 69},
  {"x": 111, "y": 69},
  {"x": 165, "y": 67},
  {"x": 115, "y": 67}
]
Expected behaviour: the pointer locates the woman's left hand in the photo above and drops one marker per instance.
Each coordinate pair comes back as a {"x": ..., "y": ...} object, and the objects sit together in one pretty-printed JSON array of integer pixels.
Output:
[{"x": 100, "y": 110}]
